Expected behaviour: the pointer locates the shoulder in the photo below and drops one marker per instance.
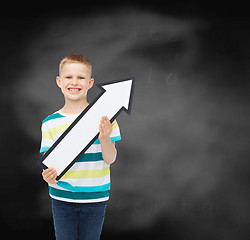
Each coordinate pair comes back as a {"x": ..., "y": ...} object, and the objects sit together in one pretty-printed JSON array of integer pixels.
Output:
[{"x": 55, "y": 115}]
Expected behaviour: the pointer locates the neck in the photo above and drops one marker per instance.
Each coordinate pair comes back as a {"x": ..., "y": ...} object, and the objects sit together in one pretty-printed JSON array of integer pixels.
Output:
[{"x": 74, "y": 107}]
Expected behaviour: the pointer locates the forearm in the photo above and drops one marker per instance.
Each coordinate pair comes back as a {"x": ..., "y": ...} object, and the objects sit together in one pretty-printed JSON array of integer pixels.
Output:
[{"x": 108, "y": 150}]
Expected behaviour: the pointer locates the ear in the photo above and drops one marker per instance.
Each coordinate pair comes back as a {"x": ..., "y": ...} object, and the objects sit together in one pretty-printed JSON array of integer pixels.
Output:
[
  {"x": 91, "y": 83},
  {"x": 58, "y": 81}
]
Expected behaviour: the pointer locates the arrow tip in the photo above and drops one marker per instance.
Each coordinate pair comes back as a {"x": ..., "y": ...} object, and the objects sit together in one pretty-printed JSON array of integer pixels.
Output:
[{"x": 122, "y": 90}]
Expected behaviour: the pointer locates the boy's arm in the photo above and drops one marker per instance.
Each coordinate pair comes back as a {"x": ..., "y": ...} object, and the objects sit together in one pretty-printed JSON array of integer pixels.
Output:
[{"x": 108, "y": 148}]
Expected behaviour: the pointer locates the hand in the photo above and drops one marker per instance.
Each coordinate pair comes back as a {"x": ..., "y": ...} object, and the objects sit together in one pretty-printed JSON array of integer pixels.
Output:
[
  {"x": 105, "y": 128},
  {"x": 49, "y": 175}
]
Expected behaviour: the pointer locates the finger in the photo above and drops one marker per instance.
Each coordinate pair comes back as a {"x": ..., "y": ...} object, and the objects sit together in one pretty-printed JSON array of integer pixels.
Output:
[
  {"x": 48, "y": 172},
  {"x": 45, "y": 172},
  {"x": 105, "y": 127},
  {"x": 52, "y": 176},
  {"x": 48, "y": 177},
  {"x": 109, "y": 125},
  {"x": 107, "y": 122},
  {"x": 103, "y": 118},
  {"x": 100, "y": 127},
  {"x": 54, "y": 172}
]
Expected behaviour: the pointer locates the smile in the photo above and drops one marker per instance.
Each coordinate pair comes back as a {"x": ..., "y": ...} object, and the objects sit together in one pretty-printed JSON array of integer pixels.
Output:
[{"x": 74, "y": 90}]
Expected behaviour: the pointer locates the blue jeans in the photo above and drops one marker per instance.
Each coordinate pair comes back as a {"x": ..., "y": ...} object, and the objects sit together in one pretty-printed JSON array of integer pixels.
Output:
[{"x": 78, "y": 221}]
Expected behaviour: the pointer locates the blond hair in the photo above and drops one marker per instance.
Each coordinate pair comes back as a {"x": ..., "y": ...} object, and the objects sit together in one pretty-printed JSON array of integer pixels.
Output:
[{"x": 75, "y": 58}]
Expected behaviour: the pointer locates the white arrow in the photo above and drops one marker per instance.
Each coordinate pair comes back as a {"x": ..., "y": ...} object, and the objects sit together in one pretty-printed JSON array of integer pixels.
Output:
[{"x": 115, "y": 97}]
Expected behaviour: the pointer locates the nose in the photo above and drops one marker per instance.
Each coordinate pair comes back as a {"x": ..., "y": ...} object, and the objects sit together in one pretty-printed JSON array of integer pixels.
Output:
[{"x": 74, "y": 81}]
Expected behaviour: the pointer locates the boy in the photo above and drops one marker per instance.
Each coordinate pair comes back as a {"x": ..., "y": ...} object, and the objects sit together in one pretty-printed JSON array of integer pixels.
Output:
[{"x": 79, "y": 197}]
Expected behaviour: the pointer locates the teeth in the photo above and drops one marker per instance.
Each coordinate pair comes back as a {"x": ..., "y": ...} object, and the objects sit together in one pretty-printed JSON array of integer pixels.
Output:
[{"x": 74, "y": 89}]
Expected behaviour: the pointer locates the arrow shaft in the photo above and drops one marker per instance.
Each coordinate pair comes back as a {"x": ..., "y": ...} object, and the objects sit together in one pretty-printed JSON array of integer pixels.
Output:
[{"x": 85, "y": 131}]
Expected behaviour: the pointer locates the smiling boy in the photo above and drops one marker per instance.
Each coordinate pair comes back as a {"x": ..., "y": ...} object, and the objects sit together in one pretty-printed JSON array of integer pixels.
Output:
[{"x": 79, "y": 198}]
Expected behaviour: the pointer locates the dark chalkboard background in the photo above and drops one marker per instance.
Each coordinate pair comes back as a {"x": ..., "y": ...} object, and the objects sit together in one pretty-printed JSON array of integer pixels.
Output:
[{"x": 182, "y": 170}]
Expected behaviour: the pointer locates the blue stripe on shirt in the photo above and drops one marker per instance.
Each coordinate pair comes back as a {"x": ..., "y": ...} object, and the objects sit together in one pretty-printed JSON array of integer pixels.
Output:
[
  {"x": 115, "y": 139},
  {"x": 77, "y": 195},
  {"x": 53, "y": 116},
  {"x": 69, "y": 187}
]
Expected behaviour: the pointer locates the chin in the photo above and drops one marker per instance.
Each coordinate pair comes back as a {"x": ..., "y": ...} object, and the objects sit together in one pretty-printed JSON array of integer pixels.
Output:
[{"x": 75, "y": 98}]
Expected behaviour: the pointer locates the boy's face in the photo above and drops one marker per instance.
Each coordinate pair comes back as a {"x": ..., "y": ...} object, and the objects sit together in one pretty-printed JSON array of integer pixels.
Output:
[{"x": 75, "y": 81}]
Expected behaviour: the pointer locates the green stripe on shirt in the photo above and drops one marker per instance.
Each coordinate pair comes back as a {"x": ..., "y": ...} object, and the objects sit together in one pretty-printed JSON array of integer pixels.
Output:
[
  {"x": 77, "y": 195},
  {"x": 53, "y": 116},
  {"x": 90, "y": 157},
  {"x": 69, "y": 187},
  {"x": 115, "y": 139}
]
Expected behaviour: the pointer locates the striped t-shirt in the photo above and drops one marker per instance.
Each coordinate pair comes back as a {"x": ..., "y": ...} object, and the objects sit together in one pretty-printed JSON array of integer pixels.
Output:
[{"x": 88, "y": 180}]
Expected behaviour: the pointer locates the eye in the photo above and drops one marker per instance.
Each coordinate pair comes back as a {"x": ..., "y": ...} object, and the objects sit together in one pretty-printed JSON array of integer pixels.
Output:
[
  {"x": 81, "y": 77},
  {"x": 68, "y": 77}
]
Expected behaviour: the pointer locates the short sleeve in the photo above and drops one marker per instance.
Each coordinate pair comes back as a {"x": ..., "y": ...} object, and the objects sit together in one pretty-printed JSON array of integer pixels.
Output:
[
  {"x": 115, "y": 135},
  {"x": 47, "y": 140}
]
